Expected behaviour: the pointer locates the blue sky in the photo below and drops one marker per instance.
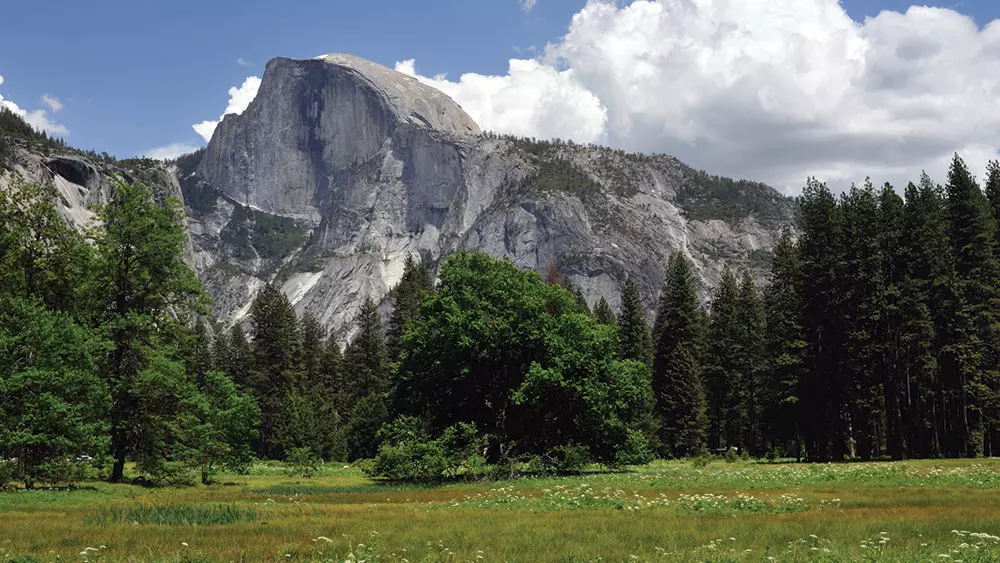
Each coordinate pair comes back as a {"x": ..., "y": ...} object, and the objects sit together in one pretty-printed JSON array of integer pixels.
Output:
[{"x": 135, "y": 75}]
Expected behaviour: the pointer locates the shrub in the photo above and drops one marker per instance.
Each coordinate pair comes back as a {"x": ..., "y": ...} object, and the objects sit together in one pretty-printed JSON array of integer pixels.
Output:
[
  {"x": 241, "y": 465},
  {"x": 162, "y": 472},
  {"x": 303, "y": 462},
  {"x": 701, "y": 461},
  {"x": 58, "y": 472},
  {"x": 570, "y": 458},
  {"x": 415, "y": 460},
  {"x": 6, "y": 472},
  {"x": 409, "y": 453},
  {"x": 635, "y": 451}
]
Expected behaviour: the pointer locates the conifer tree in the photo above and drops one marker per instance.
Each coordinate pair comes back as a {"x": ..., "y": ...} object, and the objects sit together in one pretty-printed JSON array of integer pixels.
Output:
[
  {"x": 860, "y": 302},
  {"x": 635, "y": 341},
  {"x": 313, "y": 338},
  {"x": 366, "y": 359},
  {"x": 604, "y": 314},
  {"x": 677, "y": 385},
  {"x": 406, "y": 297},
  {"x": 925, "y": 295},
  {"x": 366, "y": 383},
  {"x": 971, "y": 353},
  {"x": 822, "y": 386},
  {"x": 993, "y": 188},
  {"x": 200, "y": 354},
  {"x": 785, "y": 351},
  {"x": 241, "y": 357},
  {"x": 330, "y": 396},
  {"x": 144, "y": 285},
  {"x": 222, "y": 352},
  {"x": 892, "y": 319},
  {"x": 331, "y": 372},
  {"x": 751, "y": 327},
  {"x": 276, "y": 364},
  {"x": 721, "y": 376}
]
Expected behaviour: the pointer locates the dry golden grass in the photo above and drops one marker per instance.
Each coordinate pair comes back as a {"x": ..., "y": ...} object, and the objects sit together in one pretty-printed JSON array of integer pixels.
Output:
[{"x": 553, "y": 519}]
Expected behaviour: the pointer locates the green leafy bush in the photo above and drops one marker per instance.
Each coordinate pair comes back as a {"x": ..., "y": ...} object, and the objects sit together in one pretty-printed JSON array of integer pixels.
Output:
[
  {"x": 635, "y": 450},
  {"x": 303, "y": 462},
  {"x": 701, "y": 461},
  {"x": 569, "y": 458},
  {"x": 409, "y": 453}
]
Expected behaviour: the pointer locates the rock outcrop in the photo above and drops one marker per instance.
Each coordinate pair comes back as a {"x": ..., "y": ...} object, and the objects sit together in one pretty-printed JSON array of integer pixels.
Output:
[
  {"x": 83, "y": 183},
  {"x": 340, "y": 168}
]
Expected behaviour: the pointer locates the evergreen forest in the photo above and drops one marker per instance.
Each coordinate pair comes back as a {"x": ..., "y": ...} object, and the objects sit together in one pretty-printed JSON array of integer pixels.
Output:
[{"x": 873, "y": 336}]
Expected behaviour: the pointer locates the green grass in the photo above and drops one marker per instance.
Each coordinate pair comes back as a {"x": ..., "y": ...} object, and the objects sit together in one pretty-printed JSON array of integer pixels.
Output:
[
  {"x": 176, "y": 514},
  {"x": 666, "y": 511}
]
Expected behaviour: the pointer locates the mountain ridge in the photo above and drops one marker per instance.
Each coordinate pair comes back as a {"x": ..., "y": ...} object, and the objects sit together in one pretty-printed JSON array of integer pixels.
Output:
[{"x": 340, "y": 168}]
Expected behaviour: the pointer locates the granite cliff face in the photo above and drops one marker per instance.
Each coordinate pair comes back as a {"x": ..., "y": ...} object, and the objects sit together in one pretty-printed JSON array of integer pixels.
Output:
[
  {"x": 340, "y": 168},
  {"x": 81, "y": 183}
]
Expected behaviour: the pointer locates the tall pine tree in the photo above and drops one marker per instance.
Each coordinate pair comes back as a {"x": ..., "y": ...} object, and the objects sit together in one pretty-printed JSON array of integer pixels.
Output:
[
  {"x": 144, "y": 285},
  {"x": 276, "y": 364},
  {"x": 604, "y": 314},
  {"x": 366, "y": 361},
  {"x": 892, "y": 319},
  {"x": 366, "y": 383},
  {"x": 971, "y": 354},
  {"x": 822, "y": 387},
  {"x": 925, "y": 295},
  {"x": 406, "y": 297},
  {"x": 751, "y": 326},
  {"x": 858, "y": 281},
  {"x": 635, "y": 342},
  {"x": 785, "y": 352},
  {"x": 721, "y": 372},
  {"x": 677, "y": 385}
]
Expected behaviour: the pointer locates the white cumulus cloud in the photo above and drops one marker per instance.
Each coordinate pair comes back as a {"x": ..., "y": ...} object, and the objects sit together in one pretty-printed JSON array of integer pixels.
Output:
[
  {"x": 527, "y": 5},
  {"x": 239, "y": 99},
  {"x": 171, "y": 151},
  {"x": 774, "y": 90},
  {"x": 54, "y": 104},
  {"x": 38, "y": 118},
  {"x": 532, "y": 99}
]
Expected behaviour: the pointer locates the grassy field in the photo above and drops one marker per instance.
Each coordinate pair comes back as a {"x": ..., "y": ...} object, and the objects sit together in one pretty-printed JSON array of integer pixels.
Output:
[{"x": 668, "y": 511}]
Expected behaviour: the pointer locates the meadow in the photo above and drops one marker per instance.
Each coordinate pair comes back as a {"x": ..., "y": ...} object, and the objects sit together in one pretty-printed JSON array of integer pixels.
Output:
[{"x": 667, "y": 511}]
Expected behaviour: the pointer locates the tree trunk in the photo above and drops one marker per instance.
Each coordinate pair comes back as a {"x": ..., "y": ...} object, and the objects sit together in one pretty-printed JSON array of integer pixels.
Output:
[
  {"x": 118, "y": 470},
  {"x": 117, "y": 450}
]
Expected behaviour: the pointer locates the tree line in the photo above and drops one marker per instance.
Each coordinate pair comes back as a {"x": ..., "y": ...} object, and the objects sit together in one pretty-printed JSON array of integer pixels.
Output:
[
  {"x": 874, "y": 336},
  {"x": 889, "y": 309}
]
